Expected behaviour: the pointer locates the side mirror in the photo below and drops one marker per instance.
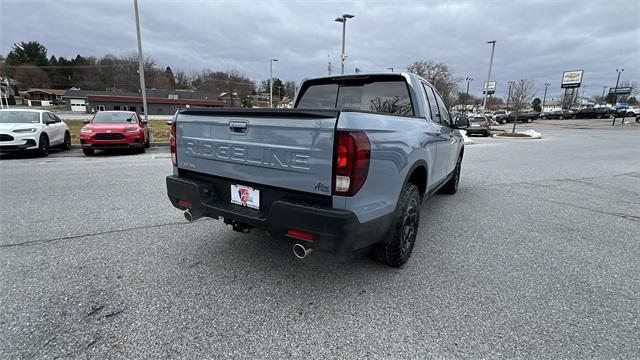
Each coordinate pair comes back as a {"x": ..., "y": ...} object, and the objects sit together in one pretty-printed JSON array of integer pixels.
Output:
[
  {"x": 50, "y": 121},
  {"x": 144, "y": 122},
  {"x": 169, "y": 122},
  {"x": 86, "y": 121},
  {"x": 462, "y": 123}
]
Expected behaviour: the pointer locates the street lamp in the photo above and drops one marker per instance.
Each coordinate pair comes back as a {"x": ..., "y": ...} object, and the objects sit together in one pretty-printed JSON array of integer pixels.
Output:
[
  {"x": 143, "y": 89},
  {"x": 466, "y": 97},
  {"x": 343, "y": 19},
  {"x": 493, "y": 47},
  {"x": 544, "y": 98},
  {"x": 271, "y": 82}
]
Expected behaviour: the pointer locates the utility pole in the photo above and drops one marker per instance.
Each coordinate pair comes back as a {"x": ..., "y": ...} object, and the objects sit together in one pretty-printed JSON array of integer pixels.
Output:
[
  {"x": 271, "y": 82},
  {"x": 343, "y": 19},
  {"x": 466, "y": 97},
  {"x": 141, "y": 64},
  {"x": 493, "y": 47},
  {"x": 544, "y": 98},
  {"x": 329, "y": 67},
  {"x": 602, "y": 97}
]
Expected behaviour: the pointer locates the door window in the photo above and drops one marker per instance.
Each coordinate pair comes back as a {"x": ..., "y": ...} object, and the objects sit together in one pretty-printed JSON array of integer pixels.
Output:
[
  {"x": 444, "y": 113},
  {"x": 433, "y": 105}
]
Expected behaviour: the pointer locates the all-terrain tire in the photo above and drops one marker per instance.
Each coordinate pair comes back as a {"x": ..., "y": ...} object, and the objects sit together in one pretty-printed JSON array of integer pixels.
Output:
[
  {"x": 451, "y": 187},
  {"x": 401, "y": 237}
]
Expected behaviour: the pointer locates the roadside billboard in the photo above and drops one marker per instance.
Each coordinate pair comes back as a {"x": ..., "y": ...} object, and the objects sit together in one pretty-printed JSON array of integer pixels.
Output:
[
  {"x": 571, "y": 79},
  {"x": 490, "y": 88}
]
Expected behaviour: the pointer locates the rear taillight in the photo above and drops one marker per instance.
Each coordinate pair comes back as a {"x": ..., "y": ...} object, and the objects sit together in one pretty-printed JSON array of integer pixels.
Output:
[
  {"x": 172, "y": 142},
  {"x": 352, "y": 162}
]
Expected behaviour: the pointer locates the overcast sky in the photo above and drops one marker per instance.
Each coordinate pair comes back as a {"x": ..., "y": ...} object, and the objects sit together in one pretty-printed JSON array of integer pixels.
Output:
[{"x": 535, "y": 39}]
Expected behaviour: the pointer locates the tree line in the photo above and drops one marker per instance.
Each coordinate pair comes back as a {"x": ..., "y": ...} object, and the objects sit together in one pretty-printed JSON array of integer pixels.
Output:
[{"x": 29, "y": 64}]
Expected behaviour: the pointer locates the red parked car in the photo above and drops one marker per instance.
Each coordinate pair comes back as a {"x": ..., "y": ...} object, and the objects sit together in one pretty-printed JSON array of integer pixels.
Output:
[{"x": 114, "y": 130}]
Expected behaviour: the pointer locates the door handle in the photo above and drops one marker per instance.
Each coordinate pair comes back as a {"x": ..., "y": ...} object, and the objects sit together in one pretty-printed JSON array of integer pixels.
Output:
[{"x": 238, "y": 127}]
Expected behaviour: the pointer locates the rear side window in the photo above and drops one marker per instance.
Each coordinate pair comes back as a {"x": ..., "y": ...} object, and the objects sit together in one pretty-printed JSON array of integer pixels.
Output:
[{"x": 386, "y": 97}]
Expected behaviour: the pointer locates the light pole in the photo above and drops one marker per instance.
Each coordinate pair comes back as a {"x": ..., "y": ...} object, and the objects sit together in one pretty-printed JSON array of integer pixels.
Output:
[
  {"x": 141, "y": 64},
  {"x": 602, "y": 97},
  {"x": 466, "y": 97},
  {"x": 271, "y": 82},
  {"x": 493, "y": 47},
  {"x": 544, "y": 98},
  {"x": 2, "y": 91},
  {"x": 343, "y": 19}
]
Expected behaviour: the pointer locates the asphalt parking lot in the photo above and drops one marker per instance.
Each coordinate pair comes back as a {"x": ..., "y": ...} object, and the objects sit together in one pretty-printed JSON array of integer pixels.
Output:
[{"x": 537, "y": 256}]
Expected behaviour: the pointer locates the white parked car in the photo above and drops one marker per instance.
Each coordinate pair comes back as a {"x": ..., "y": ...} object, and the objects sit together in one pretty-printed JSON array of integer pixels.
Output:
[{"x": 25, "y": 129}]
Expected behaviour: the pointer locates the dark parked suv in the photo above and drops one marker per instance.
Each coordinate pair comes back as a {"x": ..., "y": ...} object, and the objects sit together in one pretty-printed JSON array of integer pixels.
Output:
[
  {"x": 558, "y": 114},
  {"x": 591, "y": 113}
]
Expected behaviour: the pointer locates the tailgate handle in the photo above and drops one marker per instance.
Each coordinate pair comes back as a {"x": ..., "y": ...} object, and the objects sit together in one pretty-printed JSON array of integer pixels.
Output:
[{"x": 238, "y": 127}]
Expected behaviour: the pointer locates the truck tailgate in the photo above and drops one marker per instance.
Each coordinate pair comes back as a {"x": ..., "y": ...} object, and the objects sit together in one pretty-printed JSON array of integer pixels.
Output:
[{"x": 291, "y": 149}]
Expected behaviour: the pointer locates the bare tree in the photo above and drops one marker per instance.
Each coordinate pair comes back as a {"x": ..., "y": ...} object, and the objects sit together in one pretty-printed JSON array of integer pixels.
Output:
[
  {"x": 182, "y": 80},
  {"x": 440, "y": 76},
  {"x": 522, "y": 92}
]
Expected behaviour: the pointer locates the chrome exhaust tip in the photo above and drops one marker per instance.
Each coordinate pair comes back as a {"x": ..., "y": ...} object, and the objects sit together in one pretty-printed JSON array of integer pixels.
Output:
[
  {"x": 300, "y": 251},
  {"x": 190, "y": 216}
]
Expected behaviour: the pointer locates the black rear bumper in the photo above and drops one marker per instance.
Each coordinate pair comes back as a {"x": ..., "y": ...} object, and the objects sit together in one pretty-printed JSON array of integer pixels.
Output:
[{"x": 333, "y": 230}]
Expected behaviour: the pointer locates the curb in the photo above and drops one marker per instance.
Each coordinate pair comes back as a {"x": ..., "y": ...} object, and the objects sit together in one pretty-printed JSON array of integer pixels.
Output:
[{"x": 517, "y": 138}]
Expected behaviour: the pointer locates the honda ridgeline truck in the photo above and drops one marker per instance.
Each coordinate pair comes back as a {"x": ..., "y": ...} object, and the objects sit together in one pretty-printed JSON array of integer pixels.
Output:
[{"x": 347, "y": 168}]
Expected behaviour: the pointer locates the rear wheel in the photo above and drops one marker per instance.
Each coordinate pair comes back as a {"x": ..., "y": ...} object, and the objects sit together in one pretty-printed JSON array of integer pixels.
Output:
[
  {"x": 66, "y": 145},
  {"x": 43, "y": 145},
  {"x": 599, "y": 116},
  {"x": 88, "y": 152},
  {"x": 451, "y": 187},
  {"x": 397, "y": 248}
]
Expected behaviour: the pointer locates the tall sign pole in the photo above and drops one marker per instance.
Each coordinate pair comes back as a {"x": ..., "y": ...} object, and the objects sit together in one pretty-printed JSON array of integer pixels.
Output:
[
  {"x": 141, "y": 64},
  {"x": 493, "y": 47}
]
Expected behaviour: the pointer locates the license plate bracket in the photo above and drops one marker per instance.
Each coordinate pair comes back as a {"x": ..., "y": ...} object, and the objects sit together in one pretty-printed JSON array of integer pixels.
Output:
[{"x": 245, "y": 196}]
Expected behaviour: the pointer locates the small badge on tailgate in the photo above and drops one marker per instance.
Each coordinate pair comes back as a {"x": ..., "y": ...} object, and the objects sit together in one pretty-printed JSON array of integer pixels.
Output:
[{"x": 321, "y": 187}]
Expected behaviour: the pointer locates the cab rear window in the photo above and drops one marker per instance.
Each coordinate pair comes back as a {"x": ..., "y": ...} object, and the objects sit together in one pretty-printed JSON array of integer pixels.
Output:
[{"x": 385, "y": 96}]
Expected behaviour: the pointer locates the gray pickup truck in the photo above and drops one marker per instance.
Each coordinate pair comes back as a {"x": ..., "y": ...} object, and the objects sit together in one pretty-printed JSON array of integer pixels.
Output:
[{"x": 346, "y": 169}]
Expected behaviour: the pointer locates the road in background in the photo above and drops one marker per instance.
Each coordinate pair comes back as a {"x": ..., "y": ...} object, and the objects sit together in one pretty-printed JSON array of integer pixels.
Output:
[{"x": 536, "y": 256}]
